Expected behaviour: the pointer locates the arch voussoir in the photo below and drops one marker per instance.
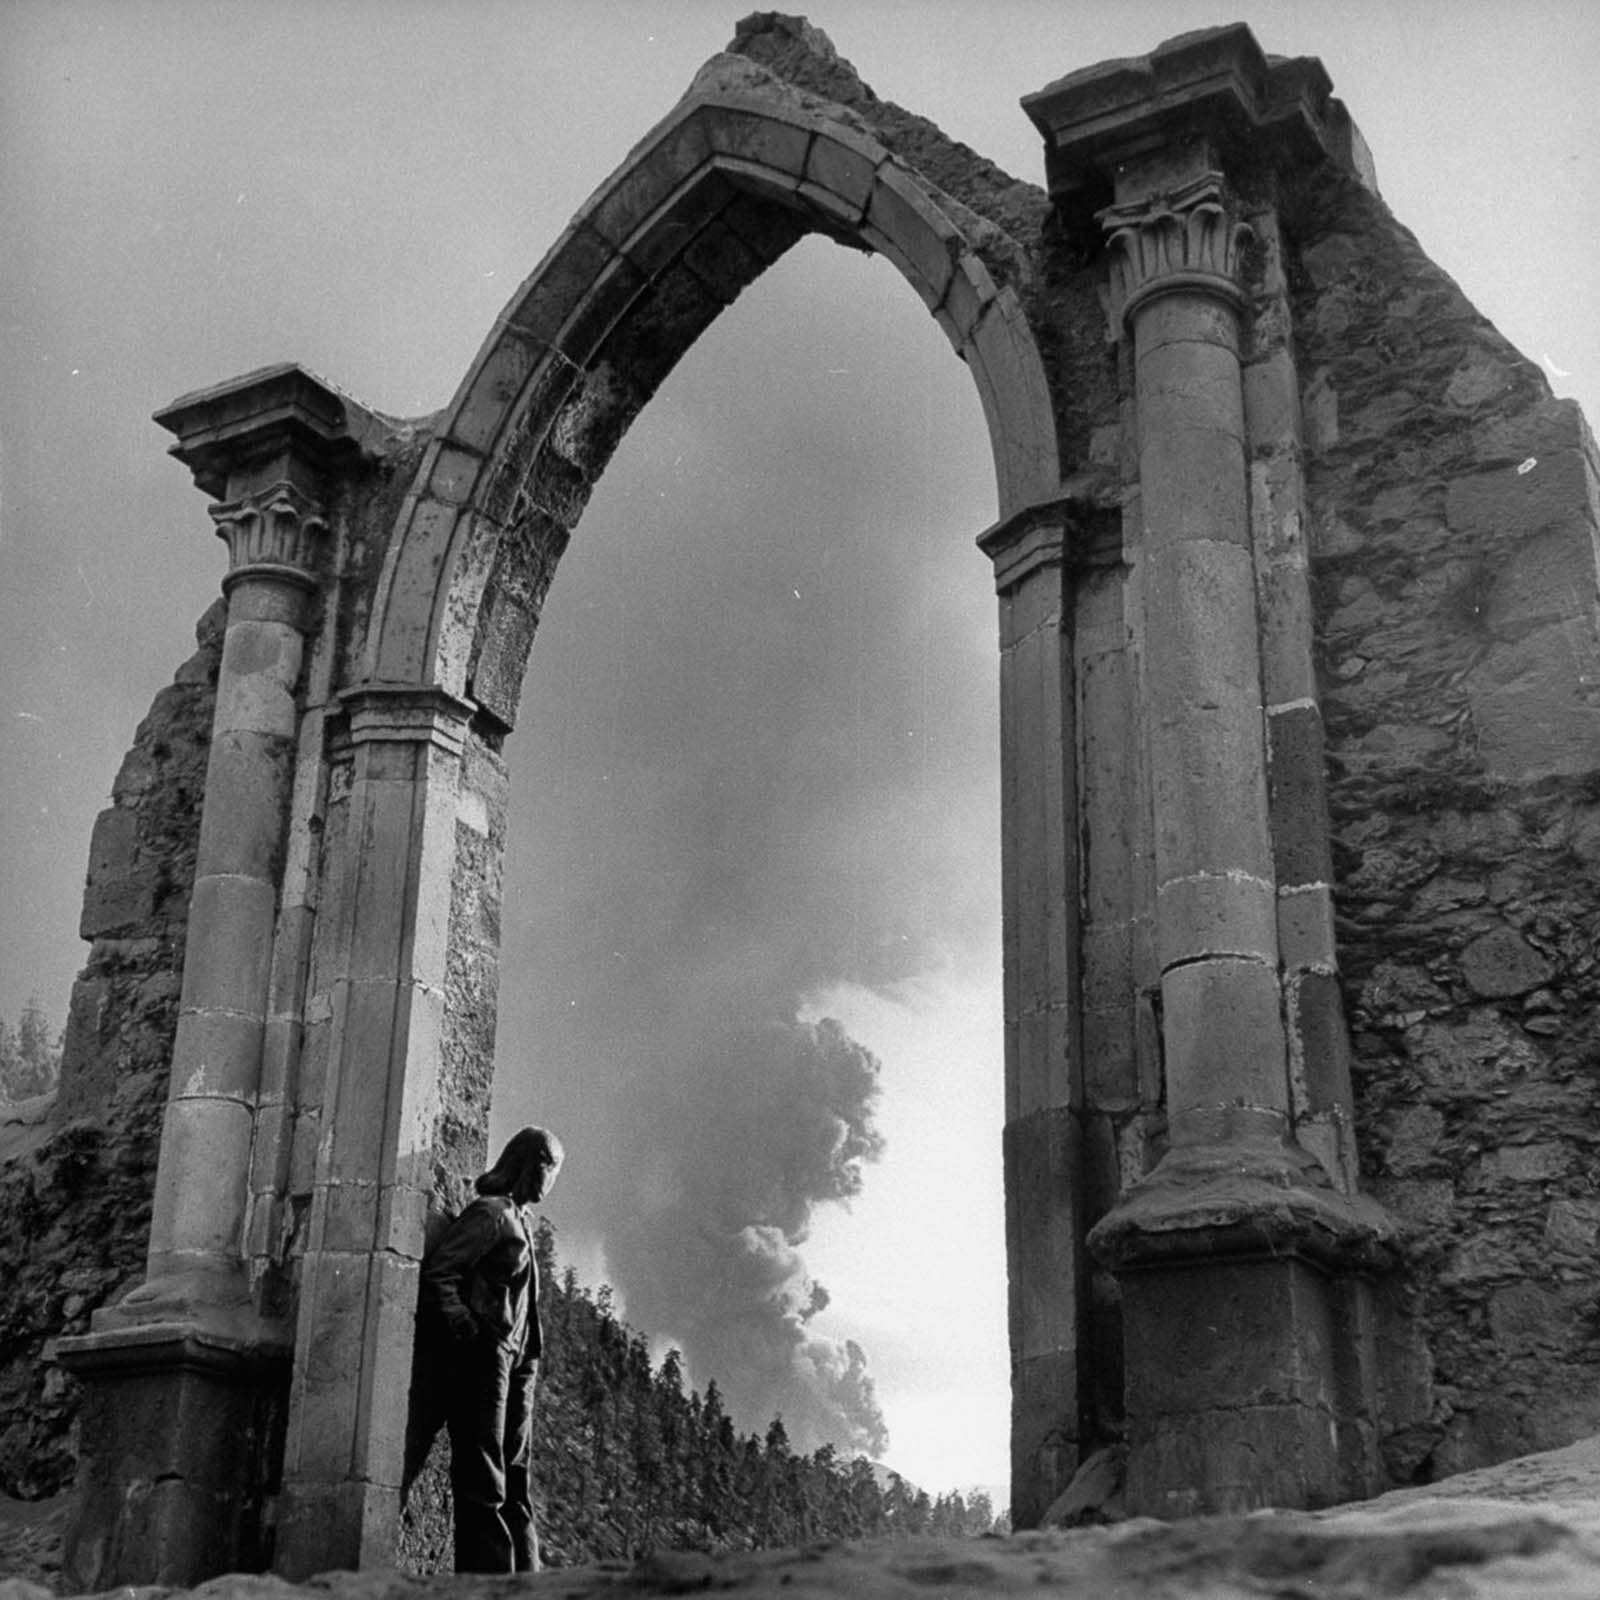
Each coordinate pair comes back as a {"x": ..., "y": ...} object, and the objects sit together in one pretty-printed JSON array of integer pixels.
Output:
[
  {"x": 1016, "y": 403},
  {"x": 905, "y": 225}
]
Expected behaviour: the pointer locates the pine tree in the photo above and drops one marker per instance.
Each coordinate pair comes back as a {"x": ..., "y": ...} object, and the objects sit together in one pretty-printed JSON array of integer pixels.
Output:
[{"x": 30, "y": 1062}]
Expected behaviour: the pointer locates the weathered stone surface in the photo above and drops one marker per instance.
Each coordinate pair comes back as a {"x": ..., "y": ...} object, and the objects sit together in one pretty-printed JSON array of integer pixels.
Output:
[
  {"x": 1457, "y": 730},
  {"x": 77, "y": 1192}
]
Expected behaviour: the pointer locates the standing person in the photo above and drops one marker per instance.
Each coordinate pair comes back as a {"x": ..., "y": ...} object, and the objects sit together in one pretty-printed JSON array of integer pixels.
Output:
[{"x": 479, "y": 1303}]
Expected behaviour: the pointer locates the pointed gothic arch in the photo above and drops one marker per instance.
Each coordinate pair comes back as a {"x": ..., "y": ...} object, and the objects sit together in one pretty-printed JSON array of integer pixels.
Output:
[{"x": 710, "y": 198}]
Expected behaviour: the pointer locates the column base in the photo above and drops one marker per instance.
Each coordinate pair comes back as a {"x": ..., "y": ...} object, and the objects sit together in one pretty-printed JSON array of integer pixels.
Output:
[
  {"x": 1044, "y": 1432},
  {"x": 181, "y": 1434},
  {"x": 336, "y": 1527},
  {"x": 1247, "y": 1329}
]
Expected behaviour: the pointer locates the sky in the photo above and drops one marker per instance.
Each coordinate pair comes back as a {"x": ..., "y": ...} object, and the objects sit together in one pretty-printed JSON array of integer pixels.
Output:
[{"x": 750, "y": 963}]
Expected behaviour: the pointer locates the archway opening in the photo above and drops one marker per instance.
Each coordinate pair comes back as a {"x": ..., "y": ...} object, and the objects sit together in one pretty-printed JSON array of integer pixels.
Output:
[{"x": 751, "y": 912}]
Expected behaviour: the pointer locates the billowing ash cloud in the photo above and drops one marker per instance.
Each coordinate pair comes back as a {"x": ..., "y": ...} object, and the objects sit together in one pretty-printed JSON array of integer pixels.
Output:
[
  {"x": 755, "y": 758},
  {"x": 731, "y": 1159}
]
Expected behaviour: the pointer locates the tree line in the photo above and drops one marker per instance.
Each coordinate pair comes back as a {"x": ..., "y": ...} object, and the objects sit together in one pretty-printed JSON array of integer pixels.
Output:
[
  {"x": 30, "y": 1054},
  {"x": 629, "y": 1459}
]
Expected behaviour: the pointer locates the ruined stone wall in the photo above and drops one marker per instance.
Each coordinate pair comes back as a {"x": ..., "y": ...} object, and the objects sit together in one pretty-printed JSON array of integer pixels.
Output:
[
  {"x": 1452, "y": 546},
  {"x": 75, "y": 1189}
]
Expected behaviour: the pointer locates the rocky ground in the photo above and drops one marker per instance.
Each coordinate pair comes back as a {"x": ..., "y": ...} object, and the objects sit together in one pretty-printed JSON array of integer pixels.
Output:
[{"x": 1526, "y": 1530}]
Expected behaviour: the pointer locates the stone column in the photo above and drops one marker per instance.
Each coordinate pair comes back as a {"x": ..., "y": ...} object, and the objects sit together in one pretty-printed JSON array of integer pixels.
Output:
[
  {"x": 185, "y": 1377},
  {"x": 1174, "y": 259},
  {"x": 195, "y": 1263},
  {"x": 385, "y": 963},
  {"x": 1044, "y": 1078},
  {"x": 1240, "y": 1257}
]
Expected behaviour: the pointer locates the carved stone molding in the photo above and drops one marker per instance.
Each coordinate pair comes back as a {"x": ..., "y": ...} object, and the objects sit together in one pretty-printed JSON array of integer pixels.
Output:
[
  {"x": 1187, "y": 238},
  {"x": 277, "y": 532}
]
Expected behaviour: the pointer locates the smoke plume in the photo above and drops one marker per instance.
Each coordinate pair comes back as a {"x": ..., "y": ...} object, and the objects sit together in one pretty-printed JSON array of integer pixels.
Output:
[{"x": 745, "y": 771}]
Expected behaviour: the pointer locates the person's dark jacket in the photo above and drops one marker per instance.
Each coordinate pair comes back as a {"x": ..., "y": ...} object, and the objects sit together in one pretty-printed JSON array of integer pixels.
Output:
[{"x": 481, "y": 1277}]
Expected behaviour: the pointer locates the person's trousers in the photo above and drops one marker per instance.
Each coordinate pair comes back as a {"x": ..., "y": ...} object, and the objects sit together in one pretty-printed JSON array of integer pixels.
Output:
[
  {"x": 489, "y": 1411},
  {"x": 476, "y": 1388}
]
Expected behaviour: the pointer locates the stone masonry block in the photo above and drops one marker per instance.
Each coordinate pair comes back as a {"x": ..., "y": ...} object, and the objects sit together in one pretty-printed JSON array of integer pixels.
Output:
[
  {"x": 1107, "y": 782},
  {"x": 1211, "y": 809},
  {"x": 556, "y": 384},
  {"x": 386, "y": 1370},
  {"x": 405, "y": 1159},
  {"x": 832, "y": 210},
  {"x": 1044, "y": 1432},
  {"x": 370, "y": 1057},
  {"x": 1207, "y": 914},
  {"x": 121, "y": 890},
  {"x": 1031, "y": 605},
  {"x": 216, "y": 1055},
  {"x": 1192, "y": 479},
  {"x": 765, "y": 186},
  {"x": 333, "y": 1523},
  {"x": 970, "y": 294},
  {"x": 1223, "y": 1028},
  {"x": 1044, "y": 1232},
  {"x": 1234, "y": 1461},
  {"x": 213, "y": 1137},
  {"x": 926, "y": 242},
  {"x": 561, "y": 280},
  {"x": 1298, "y": 796},
  {"x": 328, "y": 1360},
  {"x": 424, "y": 530},
  {"x": 1320, "y": 1041},
  {"x": 1106, "y": 956},
  {"x": 1190, "y": 385},
  {"x": 1168, "y": 322},
  {"x": 87, "y": 1077},
  {"x": 348, "y": 1211},
  {"x": 1506, "y": 505},
  {"x": 768, "y": 229},
  {"x": 1225, "y": 1335},
  {"x": 1288, "y": 668},
  {"x": 492, "y": 390},
  {"x": 690, "y": 211},
  {"x": 297, "y": 925},
  {"x": 1110, "y": 1062},
  {"x": 876, "y": 240},
  {"x": 763, "y": 137},
  {"x": 723, "y": 262},
  {"x": 1548, "y": 578},
  {"x": 247, "y": 789},
  {"x": 1534, "y": 704},
  {"x": 229, "y": 971},
  {"x": 603, "y": 304},
  {"x": 255, "y": 693},
  {"x": 657, "y": 168},
  {"x": 1271, "y": 389},
  {"x": 403, "y": 1217},
  {"x": 1016, "y": 402},
  {"x": 1306, "y": 929},
  {"x": 453, "y": 473},
  {"x": 1042, "y": 1070},
  {"x": 844, "y": 165},
  {"x": 1103, "y": 1179}
]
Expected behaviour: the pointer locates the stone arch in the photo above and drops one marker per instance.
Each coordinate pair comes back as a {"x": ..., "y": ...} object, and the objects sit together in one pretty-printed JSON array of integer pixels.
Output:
[
  {"x": 404, "y": 970},
  {"x": 709, "y": 199}
]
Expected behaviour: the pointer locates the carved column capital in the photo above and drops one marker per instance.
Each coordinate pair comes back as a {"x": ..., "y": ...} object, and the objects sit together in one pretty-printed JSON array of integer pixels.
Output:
[
  {"x": 277, "y": 532},
  {"x": 1186, "y": 238}
]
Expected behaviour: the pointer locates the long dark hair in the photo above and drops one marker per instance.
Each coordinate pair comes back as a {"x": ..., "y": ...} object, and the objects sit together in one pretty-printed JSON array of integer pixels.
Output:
[{"x": 523, "y": 1149}]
